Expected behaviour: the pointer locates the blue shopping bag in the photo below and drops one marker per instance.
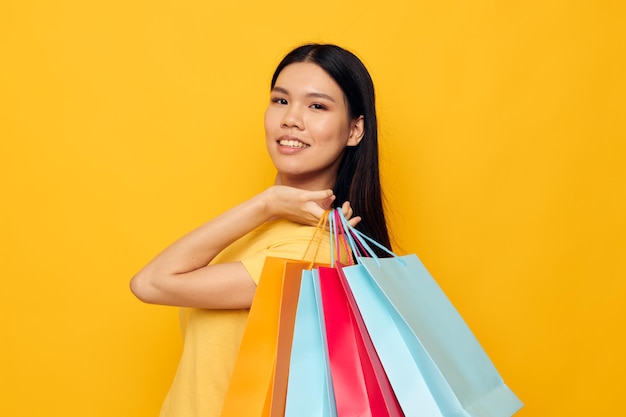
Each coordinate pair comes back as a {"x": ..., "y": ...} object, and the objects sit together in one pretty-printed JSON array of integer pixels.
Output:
[
  {"x": 403, "y": 365},
  {"x": 309, "y": 387},
  {"x": 434, "y": 363}
]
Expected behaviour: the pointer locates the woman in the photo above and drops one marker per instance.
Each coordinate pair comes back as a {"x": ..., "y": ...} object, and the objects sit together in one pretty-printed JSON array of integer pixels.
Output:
[{"x": 321, "y": 134}]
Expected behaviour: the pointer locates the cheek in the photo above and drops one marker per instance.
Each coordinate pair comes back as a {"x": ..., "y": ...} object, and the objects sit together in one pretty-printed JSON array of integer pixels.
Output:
[
  {"x": 268, "y": 133},
  {"x": 271, "y": 119},
  {"x": 266, "y": 119},
  {"x": 331, "y": 130}
]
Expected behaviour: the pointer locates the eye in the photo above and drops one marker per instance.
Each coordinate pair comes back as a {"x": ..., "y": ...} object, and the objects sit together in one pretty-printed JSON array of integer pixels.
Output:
[
  {"x": 279, "y": 100},
  {"x": 318, "y": 106}
]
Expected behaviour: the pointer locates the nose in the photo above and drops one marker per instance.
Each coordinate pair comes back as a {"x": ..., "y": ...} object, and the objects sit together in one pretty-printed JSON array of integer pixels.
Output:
[{"x": 292, "y": 118}]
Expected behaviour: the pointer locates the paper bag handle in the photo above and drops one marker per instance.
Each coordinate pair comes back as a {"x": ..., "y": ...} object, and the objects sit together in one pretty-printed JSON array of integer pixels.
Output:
[
  {"x": 358, "y": 241},
  {"x": 317, "y": 237}
]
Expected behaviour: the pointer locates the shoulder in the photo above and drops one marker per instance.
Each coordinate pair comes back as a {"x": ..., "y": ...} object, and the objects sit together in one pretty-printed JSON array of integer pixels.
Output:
[
  {"x": 283, "y": 231},
  {"x": 280, "y": 235},
  {"x": 278, "y": 238}
]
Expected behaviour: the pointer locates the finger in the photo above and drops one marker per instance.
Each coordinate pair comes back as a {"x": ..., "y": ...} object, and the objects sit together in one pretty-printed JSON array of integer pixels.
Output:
[
  {"x": 347, "y": 210},
  {"x": 327, "y": 203},
  {"x": 354, "y": 221},
  {"x": 318, "y": 195},
  {"x": 316, "y": 210}
]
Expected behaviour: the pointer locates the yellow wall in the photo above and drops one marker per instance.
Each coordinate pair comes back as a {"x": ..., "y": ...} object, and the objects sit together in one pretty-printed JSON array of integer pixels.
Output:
[{"x": 124, "y": 124}]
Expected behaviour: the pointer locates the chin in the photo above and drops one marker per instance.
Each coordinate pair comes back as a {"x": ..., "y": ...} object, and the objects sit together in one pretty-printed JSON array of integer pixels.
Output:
[{"x": 289, "y": 172}]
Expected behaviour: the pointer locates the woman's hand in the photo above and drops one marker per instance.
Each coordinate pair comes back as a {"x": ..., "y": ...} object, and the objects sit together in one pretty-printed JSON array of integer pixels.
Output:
[
  {"x": 303, "y": 206},
  {"x": 300, "y": 206}
]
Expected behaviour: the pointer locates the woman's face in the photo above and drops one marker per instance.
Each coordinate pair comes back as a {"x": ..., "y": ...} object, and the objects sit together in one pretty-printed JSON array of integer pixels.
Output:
[{"x": 307, "y": 127}]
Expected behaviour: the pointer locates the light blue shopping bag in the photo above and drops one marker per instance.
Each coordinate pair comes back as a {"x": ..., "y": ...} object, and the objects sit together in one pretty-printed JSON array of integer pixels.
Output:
[
  {"x": 309, "y": 388},
  {"x": 434, "y": 363}
]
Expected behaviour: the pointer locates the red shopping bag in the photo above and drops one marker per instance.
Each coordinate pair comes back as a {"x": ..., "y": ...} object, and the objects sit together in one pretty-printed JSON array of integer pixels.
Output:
[{"x": 359, "y": 381}]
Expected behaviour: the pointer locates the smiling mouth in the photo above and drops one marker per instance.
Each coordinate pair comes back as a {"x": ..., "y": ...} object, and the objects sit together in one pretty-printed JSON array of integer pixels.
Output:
[{"x": 292, "y": 143}]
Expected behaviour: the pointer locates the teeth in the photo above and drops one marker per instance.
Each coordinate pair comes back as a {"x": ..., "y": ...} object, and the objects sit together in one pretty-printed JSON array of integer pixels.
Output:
[{"x": 292, "y": 143}]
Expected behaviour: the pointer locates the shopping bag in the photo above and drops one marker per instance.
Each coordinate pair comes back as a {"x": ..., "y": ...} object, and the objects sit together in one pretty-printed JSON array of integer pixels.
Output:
[
  {"x": 428, "y": 351},
  {"x": 403, "y": 367},
  {"x": 259, "y": 382},
  {"x": 258, "y": 385},
  {"x": 360, "y": 384},
  {"x": 309, "y": 389}
]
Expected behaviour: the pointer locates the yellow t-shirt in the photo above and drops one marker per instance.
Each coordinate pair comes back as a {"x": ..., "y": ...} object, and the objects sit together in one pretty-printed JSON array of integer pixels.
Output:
[{"x": 212, "y": 337}]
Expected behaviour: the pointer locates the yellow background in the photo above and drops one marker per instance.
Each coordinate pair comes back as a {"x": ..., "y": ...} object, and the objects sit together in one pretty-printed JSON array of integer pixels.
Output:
[{"x": 123, "y": 124}]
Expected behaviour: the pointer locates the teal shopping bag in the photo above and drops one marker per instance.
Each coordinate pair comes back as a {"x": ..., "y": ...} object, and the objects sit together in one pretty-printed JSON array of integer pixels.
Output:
[
  {"x": 449, "y": 370},
  {"x": 309, "y": 387},
  {"x": 399, "y": 355}
]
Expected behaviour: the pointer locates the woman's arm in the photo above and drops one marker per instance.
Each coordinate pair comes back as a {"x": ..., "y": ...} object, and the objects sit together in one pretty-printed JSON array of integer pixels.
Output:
[{"x": 180, "y": 275}]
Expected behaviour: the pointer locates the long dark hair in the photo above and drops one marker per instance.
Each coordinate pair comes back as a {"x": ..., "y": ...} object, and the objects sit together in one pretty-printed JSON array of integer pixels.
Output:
[{"x": 358, "y": 179}]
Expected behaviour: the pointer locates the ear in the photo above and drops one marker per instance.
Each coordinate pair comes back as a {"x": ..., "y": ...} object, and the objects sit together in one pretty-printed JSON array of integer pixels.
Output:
[{"x": 357, "y": 130}]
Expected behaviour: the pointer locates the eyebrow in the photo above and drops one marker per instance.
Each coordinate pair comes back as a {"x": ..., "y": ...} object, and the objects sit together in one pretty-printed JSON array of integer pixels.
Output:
[{"x": 311, "y": 94}]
